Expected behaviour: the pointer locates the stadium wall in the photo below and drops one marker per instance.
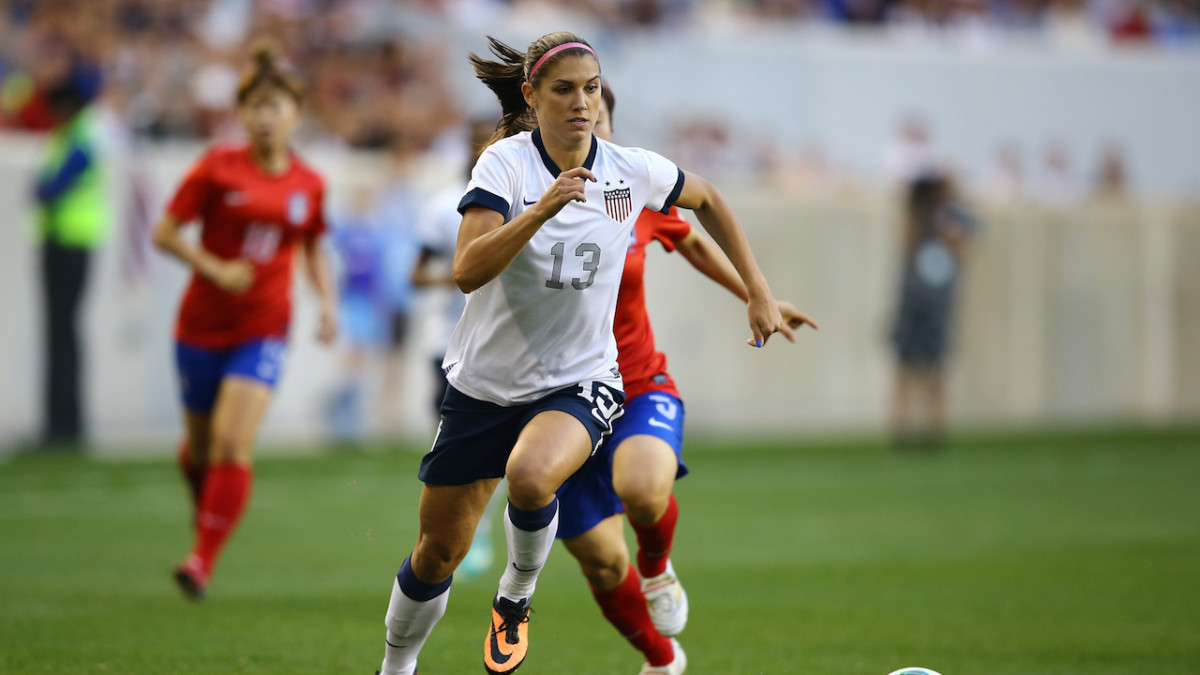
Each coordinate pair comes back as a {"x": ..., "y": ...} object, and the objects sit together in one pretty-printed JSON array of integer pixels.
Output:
[{"x": 1088, "y": 314}]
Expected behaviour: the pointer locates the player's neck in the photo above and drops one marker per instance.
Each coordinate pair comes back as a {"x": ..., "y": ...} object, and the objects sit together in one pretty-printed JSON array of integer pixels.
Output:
[
  {"x": 567, "y": 158},
  {"x": 273, "y": 161}
]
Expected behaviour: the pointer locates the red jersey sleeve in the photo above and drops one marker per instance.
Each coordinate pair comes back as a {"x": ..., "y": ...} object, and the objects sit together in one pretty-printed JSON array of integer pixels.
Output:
[
  {"x": 670, "y": 229},
  {"x": 194, "y": 193}
]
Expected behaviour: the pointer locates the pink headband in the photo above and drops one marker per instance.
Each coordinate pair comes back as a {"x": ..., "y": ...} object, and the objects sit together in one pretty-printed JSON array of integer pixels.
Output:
[{"x": 552, "y": 52}]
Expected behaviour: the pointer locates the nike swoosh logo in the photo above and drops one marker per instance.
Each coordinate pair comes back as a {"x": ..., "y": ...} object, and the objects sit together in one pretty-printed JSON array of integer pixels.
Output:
[
  {"x": 527, "y": 570},
  {"x": 498, "y": 657},
  {"x": 661, "y": 425},
  {"x": 527, "y": 202}
]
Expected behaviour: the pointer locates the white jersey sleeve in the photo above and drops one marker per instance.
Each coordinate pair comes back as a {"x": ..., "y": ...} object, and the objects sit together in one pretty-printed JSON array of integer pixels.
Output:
[
  {"x": 494, "y": 182},
  {"x": 665, "y": 180}
]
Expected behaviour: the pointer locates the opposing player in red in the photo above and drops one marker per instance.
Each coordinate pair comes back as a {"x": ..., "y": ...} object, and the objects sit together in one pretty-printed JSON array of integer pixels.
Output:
[
  {"x": 635, "y": 470},
  {"x": 256, "y": 203}
]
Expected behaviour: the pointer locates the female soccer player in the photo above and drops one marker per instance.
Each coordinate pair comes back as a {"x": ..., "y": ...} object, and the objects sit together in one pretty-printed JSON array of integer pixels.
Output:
[
  {"x": 636, "y": 468},
  {"x": 532, "y": 365},
  {"x": 255, "y": 202}
]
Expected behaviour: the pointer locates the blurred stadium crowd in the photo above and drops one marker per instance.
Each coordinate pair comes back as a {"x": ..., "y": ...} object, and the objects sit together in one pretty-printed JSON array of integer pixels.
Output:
[{"x": 169, "y": 66}]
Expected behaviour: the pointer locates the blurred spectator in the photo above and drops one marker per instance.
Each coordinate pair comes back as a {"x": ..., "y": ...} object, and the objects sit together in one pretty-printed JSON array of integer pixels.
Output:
[
  {"x": 1057, "y": 185},
  {"x": 1005, "y": 180},
  {"x": 935, "y": 236},
  {"x": 1111, "y": 181},
  {"x": 72, "y": 220},
  {"x": 1131, "y": 23},
  {"x": 911, "y": 153},
  {"x": 1178, "y": 21}
]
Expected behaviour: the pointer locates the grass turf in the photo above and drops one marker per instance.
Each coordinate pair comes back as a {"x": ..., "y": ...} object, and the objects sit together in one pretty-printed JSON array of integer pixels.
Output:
[{"x": 1029, "y": 554}]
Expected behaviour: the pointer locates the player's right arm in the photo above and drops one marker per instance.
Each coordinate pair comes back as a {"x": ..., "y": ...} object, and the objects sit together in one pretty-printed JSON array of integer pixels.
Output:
[
  {"x": 485, "y": 248},
  {"x": 234, "y": 276}
]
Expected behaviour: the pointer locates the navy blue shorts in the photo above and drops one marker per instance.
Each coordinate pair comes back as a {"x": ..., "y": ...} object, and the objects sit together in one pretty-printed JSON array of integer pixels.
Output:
[
  {"x": 201, "y": 370},
  {"x": 588, "y": 497},
  {"x": 475, "y": 438}
]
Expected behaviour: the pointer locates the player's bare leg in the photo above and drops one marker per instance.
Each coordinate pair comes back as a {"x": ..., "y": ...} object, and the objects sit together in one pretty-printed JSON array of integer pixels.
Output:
[
  {"x": 193, "y": 455},
  {"x": 551, "y": 447},
  {"x": 240, "y": 407},
  {"x": 448, "y": 516},
  {"x": 644, "y": 469},
  {"x": 604, "y": 560}
]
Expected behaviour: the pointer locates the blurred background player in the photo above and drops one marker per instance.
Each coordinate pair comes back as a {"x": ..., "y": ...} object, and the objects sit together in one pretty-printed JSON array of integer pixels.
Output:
[
  {"x": 256, "y": 202},
  {"x": 936, "y": 233},
  {"x": 437, "y": 234},
  {"x": 364, "y": 310},
  {"x": 398, "y": 204},
  {"x": 636, "y": 468},
  {"x": 73, "y": 214}
]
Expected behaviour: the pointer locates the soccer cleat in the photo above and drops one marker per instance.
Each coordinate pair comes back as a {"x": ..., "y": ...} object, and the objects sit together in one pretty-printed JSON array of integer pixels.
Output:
[
  {"x": 676, "y": 667},
  {"x": 508, "y": 638},
  {"x": 667, "y": 601},
  {"x": 191, "y": 579}
]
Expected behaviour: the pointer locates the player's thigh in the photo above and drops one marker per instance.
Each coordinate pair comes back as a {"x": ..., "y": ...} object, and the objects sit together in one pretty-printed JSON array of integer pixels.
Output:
[
  {"x": 241, "y": 405},
  {"x": 551, "y": 447},
  {"x": 448, "y": 517},
  {"x": 602, "y": 553},
  {"x": 644, "y": 468}
]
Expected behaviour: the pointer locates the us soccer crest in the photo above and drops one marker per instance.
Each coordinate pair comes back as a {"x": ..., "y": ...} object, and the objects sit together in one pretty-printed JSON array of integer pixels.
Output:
[
  {"x": 618, "y": 203},
  {"x": 297, "y": 208}
]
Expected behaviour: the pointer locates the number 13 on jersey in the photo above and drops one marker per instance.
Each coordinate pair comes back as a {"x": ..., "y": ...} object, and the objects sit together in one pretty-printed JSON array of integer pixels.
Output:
[{"x": 591, "y": 255}]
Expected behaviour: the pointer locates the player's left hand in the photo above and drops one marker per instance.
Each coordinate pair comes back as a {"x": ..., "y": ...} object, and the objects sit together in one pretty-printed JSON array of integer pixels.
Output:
[
  {"x": 765, "y": 320},
  {"x": 793, "y": 319},
  {"x": 327, "y": 326}
]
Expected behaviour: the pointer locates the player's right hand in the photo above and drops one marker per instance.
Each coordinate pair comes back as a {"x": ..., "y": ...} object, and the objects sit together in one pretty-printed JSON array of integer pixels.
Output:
[
  {"x": 568, "y": 187},
  {"x": 234, "y": 276}
]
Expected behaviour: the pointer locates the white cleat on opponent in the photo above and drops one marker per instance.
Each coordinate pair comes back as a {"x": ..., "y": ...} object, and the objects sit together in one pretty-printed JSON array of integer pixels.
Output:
[
  {"x": 676, "y": 667},
  {"x": 667, "y": 602}
]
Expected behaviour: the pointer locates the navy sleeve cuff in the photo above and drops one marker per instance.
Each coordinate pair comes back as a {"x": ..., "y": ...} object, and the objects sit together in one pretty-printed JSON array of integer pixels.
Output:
[
  {"x": 666, "y": 208},
  {"x": 488, "y": 200}
]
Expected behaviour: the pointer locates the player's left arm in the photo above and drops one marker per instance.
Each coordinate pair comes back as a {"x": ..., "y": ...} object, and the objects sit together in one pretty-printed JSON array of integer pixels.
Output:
[
  {"x": 320, "y": 275},
  {"x": 707, "y": 257},
  {"x": 718, "y": 219}
]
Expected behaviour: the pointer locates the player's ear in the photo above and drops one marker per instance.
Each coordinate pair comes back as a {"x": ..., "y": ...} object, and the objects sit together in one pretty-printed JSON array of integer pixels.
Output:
[{"x": 530, "y": 95}]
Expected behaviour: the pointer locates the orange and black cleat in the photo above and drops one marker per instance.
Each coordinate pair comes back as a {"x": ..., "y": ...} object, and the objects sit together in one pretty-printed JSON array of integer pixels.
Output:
[{"x": 508, "y": 638}]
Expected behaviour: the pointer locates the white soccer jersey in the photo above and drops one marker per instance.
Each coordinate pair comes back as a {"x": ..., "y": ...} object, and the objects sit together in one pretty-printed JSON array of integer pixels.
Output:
[{"x": 546, "y": 322}]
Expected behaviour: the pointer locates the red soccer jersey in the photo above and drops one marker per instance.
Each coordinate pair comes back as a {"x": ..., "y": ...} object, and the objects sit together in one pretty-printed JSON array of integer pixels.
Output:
[
  {"x": 643, "y": 367},
  {"x": 245, "y": 213}
]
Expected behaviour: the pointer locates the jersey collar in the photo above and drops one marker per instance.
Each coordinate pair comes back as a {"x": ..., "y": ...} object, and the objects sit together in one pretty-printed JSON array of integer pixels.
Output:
[{"x": 550, "y": 165}]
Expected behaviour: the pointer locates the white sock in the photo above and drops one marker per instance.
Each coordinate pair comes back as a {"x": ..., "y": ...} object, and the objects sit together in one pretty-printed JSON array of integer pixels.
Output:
[
  {"x": 527, "y": 554},
  {"x": 409, "y": 624}
]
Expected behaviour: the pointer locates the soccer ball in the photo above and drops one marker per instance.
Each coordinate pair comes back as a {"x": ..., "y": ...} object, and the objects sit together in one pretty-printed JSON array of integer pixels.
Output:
[{"x": 914, "y": 670}]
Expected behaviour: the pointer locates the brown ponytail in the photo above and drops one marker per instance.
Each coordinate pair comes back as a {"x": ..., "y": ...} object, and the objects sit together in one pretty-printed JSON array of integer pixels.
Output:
[
  {"x": 505, "y": 76},
  {"x": 267, "y": 68}
]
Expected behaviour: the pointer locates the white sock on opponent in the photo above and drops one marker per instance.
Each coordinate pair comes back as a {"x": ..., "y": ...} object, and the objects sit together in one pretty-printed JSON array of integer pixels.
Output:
[
  {"x": 530, "y": 536},
  {"x": 409, "y": 623}
]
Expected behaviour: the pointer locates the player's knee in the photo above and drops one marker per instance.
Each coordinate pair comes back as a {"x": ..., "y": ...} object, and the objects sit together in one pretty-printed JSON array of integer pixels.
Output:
[
  {"x": 434, "y": 561},
  {"x": 530, "y": 487},
  {"x": 645, "y": 498},
  {"x": 605, "y": 572},
  {"x": 227, "y": 447}
]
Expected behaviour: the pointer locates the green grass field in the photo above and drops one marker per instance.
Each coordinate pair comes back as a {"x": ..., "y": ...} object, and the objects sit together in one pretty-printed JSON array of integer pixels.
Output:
[{"x": 1050, "y": 553}]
